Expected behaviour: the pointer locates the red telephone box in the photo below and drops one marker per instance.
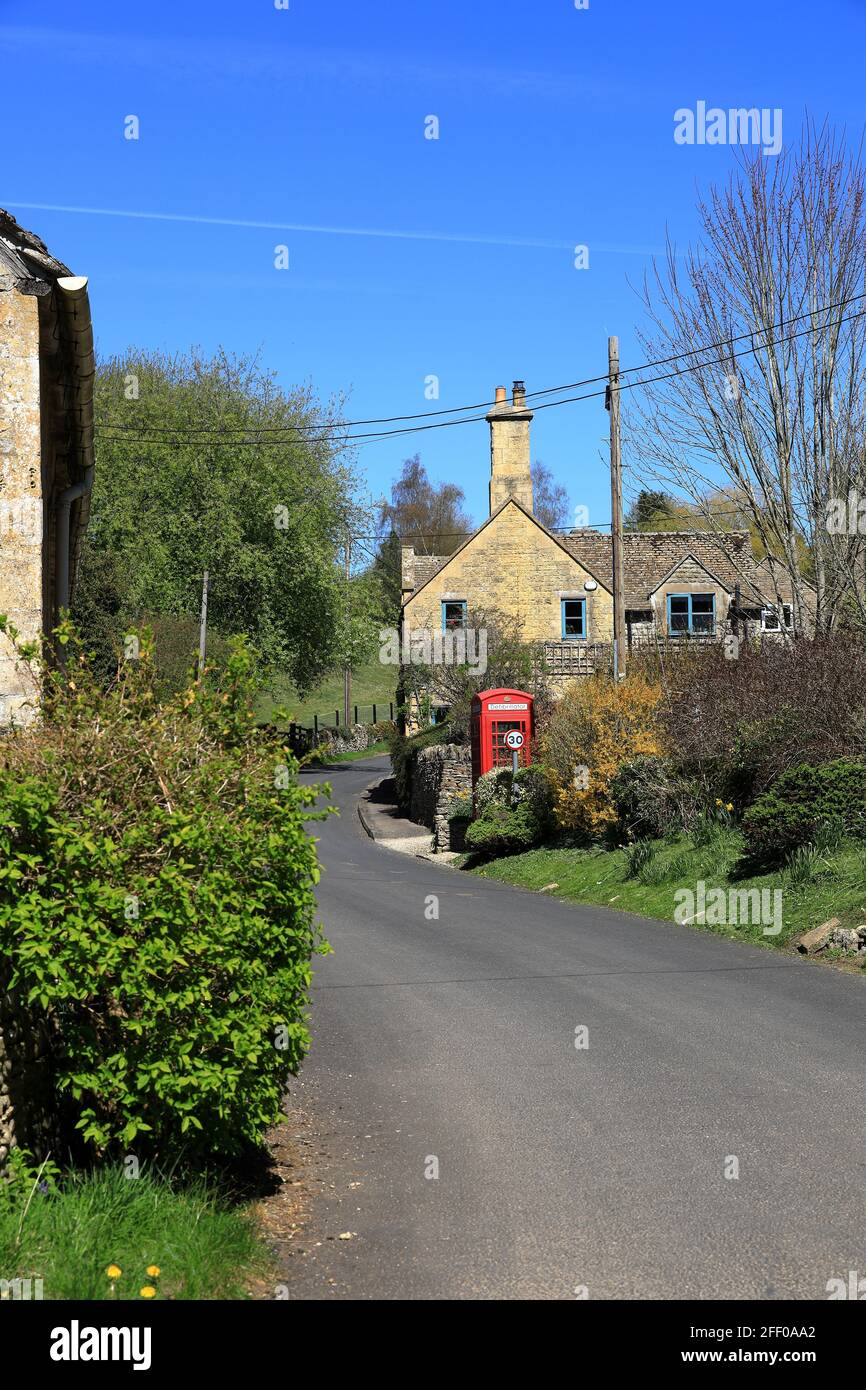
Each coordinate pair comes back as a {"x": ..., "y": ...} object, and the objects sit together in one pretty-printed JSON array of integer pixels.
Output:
[{"x": 495, "y": 714}]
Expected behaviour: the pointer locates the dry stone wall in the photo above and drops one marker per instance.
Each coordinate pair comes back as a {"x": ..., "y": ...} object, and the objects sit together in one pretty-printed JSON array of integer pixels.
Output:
[{"x": 439, "y": 774}]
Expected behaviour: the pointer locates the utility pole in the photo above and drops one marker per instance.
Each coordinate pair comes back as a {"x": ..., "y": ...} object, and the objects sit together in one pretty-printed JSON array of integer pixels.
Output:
[
  {"x": 347, "y": 668},
  {"x": 202, "y": 630},
  {"x": 612, "y": 403}
]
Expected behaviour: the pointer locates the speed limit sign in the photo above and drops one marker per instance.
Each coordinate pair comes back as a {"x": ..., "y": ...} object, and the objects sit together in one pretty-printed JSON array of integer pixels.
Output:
[{"x": 514, "y": 740}]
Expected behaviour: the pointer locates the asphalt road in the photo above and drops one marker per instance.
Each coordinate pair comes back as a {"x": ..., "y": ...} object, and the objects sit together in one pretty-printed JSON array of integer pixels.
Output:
[{"x": 563, "y": 1169}]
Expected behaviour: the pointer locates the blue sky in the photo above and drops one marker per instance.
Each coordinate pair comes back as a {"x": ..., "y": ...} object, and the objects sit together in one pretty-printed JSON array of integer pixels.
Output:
[{"x": 409, "y": 257}]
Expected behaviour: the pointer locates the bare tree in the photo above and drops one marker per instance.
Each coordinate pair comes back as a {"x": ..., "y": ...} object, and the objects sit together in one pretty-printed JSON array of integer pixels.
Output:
[
  {"x": 549, "y": 498},
  {"x": 776, "y": 415}
]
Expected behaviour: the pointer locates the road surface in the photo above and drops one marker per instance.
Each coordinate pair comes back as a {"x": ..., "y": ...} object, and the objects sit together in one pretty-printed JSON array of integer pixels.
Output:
[{"x": 447, "y": 1045}]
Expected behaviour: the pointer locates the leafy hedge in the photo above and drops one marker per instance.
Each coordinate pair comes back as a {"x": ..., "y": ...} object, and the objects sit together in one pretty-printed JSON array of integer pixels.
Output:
[
  {"x": 157, "y": 904},
  {"x": 801, "y": 802},
  {"x": 513, "y": 812}
]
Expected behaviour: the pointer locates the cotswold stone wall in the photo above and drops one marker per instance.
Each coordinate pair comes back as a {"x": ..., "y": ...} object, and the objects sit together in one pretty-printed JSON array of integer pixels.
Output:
[
  {"x": 440, "y": 773},
  {"x": 21, "y": 501},
  {"x": 25, "y": 1081}
]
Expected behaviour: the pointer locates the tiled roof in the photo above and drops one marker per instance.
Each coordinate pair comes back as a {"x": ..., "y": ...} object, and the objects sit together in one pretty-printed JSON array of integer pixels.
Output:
[{"x": 648, "y": 558}]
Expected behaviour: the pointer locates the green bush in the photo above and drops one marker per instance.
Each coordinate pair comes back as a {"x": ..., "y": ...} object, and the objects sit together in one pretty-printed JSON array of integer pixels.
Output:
[
  {"x": 157, "y": 904},
  {"x": 502, "y": 830},
  {"x": 807, "y": 805},
  {"x": 652, "y": 799},
  {"x": 513, "y": 813}
]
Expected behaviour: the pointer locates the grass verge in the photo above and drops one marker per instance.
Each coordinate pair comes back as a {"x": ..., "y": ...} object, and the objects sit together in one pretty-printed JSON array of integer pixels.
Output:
[
  {"x": 815, "y": 888},
  {"x": 204, "y": 1245}
]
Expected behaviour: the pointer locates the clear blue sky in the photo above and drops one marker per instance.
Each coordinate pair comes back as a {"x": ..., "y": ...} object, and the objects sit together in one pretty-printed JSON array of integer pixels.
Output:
[{"x": 451, "y": 257}]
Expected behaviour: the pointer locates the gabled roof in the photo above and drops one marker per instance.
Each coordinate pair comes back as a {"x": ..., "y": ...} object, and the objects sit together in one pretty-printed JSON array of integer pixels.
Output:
[
  {"x": 432, "y": 565},
  {"x": 679, "y": 563},
  {"x": 649, "y": 558}
]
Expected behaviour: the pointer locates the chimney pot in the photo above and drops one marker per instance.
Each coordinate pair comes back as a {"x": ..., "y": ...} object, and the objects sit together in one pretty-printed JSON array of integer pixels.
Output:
[
  {"x": 500, "y": 394},
  {"x": 518, "y": 393}
]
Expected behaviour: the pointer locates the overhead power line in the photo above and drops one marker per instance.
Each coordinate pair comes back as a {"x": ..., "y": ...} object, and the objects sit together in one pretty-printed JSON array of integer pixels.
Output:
[{"x": 761, "y": 333}]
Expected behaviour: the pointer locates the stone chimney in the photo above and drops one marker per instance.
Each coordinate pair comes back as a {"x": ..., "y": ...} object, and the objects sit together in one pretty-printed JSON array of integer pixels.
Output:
[{"x": 509, "y": 448}]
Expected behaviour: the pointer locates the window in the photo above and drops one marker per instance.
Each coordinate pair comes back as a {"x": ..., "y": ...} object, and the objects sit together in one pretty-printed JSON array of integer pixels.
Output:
[
  {"x": 691, "y": 614},
  {"x": 770, "y": 618},
  {"x": 502, "y": 756},
  {"x": 573, "y": 619},
  {"x": 453, "y": 613}
]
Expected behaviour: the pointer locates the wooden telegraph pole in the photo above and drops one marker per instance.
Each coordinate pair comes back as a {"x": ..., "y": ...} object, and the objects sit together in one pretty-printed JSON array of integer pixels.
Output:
[
  {"x": 347, "y": 669},
  {"x": 619, "y": 639},
  {"x": 202, "y": 629}
]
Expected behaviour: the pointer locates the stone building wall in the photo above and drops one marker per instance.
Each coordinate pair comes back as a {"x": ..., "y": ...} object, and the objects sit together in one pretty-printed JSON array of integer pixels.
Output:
[
  {"x": 513, "y": 567},
  {"x": 440, "y": 773},
  {"x": 21, "y": 492}
]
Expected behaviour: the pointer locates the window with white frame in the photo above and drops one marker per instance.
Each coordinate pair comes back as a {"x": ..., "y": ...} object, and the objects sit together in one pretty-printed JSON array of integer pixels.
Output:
[{"x": 770, "y": 619}]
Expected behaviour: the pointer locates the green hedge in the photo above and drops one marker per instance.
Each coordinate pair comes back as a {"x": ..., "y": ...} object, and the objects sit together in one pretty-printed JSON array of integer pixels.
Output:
[
  {"x": 157, "y": 904},
  {"x": 801, "y": 802},
  {"x": 513, "y": 813}
]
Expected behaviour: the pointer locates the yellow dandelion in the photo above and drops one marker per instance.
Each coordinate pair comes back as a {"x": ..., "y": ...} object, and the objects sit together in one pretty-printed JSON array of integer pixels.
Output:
[
  {"x": 148, "y": 1291},
  {"x": 114, "y": 1272},
  {"x": 152, "y": 1271}
]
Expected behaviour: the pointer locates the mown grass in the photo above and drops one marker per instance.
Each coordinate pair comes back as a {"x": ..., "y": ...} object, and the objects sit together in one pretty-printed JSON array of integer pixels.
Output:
[
  {"x": 204, "y": 1245},
  {"x": 818, "y": 886}
]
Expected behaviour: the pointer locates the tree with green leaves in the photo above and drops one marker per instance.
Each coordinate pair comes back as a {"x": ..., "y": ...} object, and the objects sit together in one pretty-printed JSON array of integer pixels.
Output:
[{"x": 206, "y": 463}]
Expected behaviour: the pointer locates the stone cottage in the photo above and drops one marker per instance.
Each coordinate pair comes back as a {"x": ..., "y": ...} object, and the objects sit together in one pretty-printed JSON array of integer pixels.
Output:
[
  {"x": 679, "y": 586},
  {"x": 46, "y": 444}
]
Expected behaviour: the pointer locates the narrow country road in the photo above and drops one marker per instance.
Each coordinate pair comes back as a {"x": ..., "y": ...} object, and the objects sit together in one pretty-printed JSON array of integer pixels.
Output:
[{"x": 563, "y": 1169}]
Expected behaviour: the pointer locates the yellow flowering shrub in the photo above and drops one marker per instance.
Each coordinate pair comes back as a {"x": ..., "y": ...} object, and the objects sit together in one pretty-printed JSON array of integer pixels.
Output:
[{"x": 598, "y": 724}]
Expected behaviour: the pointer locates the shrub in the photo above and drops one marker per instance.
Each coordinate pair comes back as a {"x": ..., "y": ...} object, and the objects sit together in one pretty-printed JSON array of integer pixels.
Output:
[
  {"x": 738, "y": 725},
  {"x": 460, "y": 807},
  {"x": 599, "y": 724},
  {"x": 807, "y": 804},
  {"x": 652, "y": 798},
  {"x": 157, "y": 902},
  {"x": 513, "y": 812},
  {"x": 503, "y": 830}
]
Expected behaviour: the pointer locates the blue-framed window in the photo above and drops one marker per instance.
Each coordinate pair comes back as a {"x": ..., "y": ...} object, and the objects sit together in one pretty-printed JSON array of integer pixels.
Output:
[
  {"x": 691, "y": 615},
  {"x": 453, "y": 613},
  {"x": 573, "y": 619}
]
